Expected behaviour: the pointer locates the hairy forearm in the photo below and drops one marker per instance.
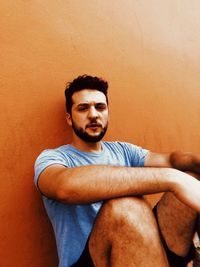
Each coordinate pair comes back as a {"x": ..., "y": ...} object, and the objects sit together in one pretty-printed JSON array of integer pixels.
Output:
[{"x": 88, "y": 184}]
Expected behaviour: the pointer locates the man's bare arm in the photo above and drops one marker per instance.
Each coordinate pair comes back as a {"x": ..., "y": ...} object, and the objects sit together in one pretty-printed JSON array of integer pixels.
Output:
[
  {"x": 88, "y": 184},
  {"x": 183, "y": 161}
]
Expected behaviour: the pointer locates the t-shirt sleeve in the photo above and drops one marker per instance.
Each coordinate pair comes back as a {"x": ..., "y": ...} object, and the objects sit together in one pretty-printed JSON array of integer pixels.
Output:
[
  {"x": 134, "y": 154},
  {"x": 45, "y": 159}
]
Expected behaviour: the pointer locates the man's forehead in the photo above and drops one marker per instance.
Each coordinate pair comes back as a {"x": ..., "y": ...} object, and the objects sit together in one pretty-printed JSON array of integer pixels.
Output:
[{"x": 87, "y": 96}]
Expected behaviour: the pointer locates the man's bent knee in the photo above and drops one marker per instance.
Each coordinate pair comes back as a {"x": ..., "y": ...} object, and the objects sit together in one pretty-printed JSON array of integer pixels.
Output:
[
  {"x": 127, "y": 223},
  {"x": 128, "y": 214},
  {"x": 128, "y": 208}
]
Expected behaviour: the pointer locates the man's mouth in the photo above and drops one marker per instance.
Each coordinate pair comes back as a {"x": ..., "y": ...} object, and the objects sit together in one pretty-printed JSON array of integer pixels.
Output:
[{"x": 93, "y": 125}]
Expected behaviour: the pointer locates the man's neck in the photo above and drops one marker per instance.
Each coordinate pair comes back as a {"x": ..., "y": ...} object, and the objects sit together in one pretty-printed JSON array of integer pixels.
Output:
[{"x": 86, "y": 146}]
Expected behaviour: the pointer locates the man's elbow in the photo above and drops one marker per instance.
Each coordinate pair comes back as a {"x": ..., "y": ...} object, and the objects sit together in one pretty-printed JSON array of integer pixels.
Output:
[{"x": 67, "y": 193}]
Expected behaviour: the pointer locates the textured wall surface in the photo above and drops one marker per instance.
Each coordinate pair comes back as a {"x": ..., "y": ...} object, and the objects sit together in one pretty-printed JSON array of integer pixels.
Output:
[{"x": 147, "y": 50}]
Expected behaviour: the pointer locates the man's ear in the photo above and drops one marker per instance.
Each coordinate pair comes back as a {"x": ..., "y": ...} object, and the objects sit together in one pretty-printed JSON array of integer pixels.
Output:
[{"x": 68, "y": 119}]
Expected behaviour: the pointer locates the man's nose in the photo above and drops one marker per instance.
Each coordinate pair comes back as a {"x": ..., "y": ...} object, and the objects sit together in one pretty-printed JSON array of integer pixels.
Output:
[{"x": 92, "y": 112}]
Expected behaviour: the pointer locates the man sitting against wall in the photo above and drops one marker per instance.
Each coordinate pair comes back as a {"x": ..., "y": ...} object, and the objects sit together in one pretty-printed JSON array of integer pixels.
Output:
[{"x": 93, "y": 192}]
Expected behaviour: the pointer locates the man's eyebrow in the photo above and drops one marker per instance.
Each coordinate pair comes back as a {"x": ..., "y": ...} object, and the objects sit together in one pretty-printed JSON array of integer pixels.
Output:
[
  {"x": 82, "y": 104},
  {"x": 88, "y": 104}
]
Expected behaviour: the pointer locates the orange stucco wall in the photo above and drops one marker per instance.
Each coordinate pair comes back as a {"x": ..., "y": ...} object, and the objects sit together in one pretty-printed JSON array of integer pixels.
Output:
[{"x": 147, "y": 50}]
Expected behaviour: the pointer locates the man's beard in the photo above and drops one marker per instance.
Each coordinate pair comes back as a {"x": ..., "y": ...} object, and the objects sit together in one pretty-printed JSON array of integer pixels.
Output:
[{"x": 83, "y": 135}]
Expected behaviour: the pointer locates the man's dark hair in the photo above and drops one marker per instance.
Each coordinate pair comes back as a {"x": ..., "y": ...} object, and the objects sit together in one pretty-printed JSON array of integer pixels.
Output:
[{"x": 84, "y": 82}]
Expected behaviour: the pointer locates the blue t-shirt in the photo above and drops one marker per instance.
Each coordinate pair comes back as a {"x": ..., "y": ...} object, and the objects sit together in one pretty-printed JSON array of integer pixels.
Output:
[{"x": 72, "y": 224}]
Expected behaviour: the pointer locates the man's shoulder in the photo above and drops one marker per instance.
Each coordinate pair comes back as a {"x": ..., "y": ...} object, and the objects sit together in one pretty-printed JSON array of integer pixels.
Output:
[
  {"x": 119, "y": 147},
  {"x": 126, "y": 148},
  {"x": 59, "y": 149},
  {"x": 53, "y": 153}
]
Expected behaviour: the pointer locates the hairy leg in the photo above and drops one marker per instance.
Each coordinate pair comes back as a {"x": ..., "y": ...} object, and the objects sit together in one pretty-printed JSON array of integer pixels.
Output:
[
  {"x": 126, "y": 234},
  {"x": 177, "y": 223}
]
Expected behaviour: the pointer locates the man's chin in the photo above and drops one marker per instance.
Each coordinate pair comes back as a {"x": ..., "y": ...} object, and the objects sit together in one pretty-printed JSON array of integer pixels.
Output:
[
  {"x": 88, "y": 136},
  {"x": 92, "y": 138},
  {"x": 93, "y": 134}
]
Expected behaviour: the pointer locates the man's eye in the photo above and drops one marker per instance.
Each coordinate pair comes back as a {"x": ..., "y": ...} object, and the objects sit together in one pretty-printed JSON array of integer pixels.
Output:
[
  {"x": 82, "y": 108},
  {"x": 100, "y": 107}
]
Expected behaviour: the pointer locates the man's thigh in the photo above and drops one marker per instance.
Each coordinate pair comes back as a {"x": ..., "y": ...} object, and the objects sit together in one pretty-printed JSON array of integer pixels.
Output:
[
  {"x": 177, "y": 224},
  {"x": 121, "y": 220},
  {"x": 174, "y": 259},
  {"x": 164, "y": 206}
]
